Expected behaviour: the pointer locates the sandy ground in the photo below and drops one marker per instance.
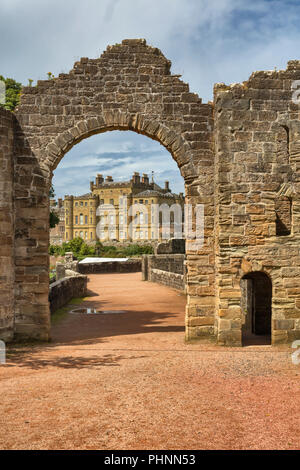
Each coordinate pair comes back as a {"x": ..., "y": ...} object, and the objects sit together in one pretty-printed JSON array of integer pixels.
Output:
[{"x": 128, "y": 381}]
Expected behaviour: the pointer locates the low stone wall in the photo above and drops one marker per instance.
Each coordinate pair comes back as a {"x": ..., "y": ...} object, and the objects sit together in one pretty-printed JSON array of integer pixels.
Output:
[
  {"x": 172, "y": 246},
  {"x": 129, "y": 266},
  {"x": 165, "y": 269},
  {"x": 62, "y": 291}
]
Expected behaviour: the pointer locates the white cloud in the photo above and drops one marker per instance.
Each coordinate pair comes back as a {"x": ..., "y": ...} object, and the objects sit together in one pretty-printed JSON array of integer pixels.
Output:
[{"x": 116, "y": 153}]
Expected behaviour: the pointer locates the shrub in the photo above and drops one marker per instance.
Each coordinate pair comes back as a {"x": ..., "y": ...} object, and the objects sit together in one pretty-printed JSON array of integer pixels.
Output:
[{"x": 81, "y": 250}]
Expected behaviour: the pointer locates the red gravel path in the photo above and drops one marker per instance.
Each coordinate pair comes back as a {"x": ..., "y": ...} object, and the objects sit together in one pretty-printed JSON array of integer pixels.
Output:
[{"x": 128, "y": 381}]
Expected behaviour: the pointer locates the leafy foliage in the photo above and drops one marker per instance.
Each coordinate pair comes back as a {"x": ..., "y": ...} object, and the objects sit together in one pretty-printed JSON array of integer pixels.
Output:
[
  {"x": 54, "y": 218},
  {"x": 81, "y": 250},
  {"x": 12, "y": 93}
]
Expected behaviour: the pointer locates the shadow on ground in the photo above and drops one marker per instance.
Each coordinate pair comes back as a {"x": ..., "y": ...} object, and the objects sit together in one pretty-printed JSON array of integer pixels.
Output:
[
  {"x": 30, "y": 359},
  {"x": 89, "y": 329}
]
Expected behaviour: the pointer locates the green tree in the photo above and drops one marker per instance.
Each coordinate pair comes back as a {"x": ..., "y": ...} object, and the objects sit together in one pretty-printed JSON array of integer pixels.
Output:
[
  {"x": 12, "y": 93},
  {"x": 54, "y": 218}
]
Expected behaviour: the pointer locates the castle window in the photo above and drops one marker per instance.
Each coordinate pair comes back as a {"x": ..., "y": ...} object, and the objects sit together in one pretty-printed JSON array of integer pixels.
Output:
[
  {"x": 283, "y": 210},
  {"x": 283, "y": 144},
  {"x": 81, "y": 219},
  {"x": 81, "y": 203},
  {"x": 101, "y": 201},
  {"x": 86, "y": 219},
  {"x": 81, "y": 234},
  {"x": 76, "y": 203},
  {"x": 111, "y": 201},
  {"x": 91, "y": 236},
  {"x": 85, "y": 203},
  {"x": 76, "y": 219}
]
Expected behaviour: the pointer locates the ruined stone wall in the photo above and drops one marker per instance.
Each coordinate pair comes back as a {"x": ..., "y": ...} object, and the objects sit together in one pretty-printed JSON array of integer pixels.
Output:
[
  {"x": 7, "y": 274},
  {"x": 239, "y": 157},
  {"x": 257, "y": 142},
  {"x": 129, "y": 87},
  {"x": 167, "y": 269}
]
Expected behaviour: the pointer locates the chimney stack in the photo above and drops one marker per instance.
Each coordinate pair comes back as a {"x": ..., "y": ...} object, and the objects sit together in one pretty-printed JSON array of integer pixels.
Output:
[
  {"x": 99, "y": 180},
  {"x": 109, "y": 179},
  {"x": 136, "y": 177},
  {"x": 145, "y": 179},
  {"x": 167, "y": 187}
]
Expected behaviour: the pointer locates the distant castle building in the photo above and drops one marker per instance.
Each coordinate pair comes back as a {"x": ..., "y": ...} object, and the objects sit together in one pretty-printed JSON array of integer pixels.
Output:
[{"x": 127, "y": 211}]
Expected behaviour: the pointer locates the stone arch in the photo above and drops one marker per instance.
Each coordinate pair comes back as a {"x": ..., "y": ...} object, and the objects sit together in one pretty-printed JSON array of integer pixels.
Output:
[
  {"x": 174, "y": 143},
  {"x": 129, "y": 87}
]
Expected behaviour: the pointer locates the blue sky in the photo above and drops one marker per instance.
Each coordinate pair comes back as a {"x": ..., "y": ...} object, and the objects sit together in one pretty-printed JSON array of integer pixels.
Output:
[{"x": 207, "y": 42}]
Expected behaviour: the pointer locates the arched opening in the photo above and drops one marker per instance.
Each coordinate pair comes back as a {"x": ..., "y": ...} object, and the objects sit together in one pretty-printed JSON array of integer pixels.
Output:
[
  {"x": 105, "y": 170},
  {"x": 256, "y": 304},
  {"x": 143, "y": 97}
]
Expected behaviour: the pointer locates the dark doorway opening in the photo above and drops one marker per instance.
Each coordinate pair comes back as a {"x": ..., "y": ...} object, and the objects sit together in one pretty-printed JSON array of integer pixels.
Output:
[{"x": 256, "y": 308}]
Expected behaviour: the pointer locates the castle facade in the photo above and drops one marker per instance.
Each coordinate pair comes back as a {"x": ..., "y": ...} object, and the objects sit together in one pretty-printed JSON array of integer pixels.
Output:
[{"x": 118, "y": 211}]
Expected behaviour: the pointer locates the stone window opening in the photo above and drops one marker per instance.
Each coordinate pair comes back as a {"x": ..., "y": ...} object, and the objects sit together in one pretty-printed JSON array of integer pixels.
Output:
[
  {"x": 283, "y": 144},
  {"x": 283, "y": 212},
  {"x": 256, "y": 305}
]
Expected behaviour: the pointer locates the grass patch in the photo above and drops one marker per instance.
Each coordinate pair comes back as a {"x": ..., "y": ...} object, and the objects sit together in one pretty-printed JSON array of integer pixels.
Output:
[
  {"x": 62, "y": 312},
  {"x": 59, "y": 315},
  {"x": 76, "y": 300}
]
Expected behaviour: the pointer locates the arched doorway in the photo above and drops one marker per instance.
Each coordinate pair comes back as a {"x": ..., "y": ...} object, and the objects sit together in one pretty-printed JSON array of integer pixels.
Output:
[
  {"x": 257, "y": 308},
  {"x": 128, "y": 88}
]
